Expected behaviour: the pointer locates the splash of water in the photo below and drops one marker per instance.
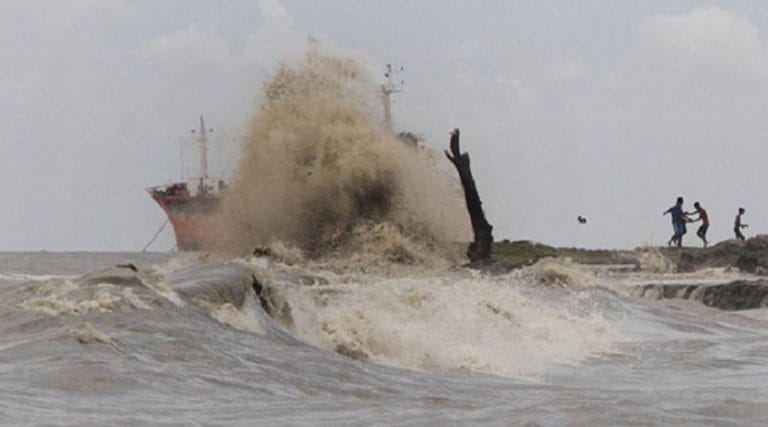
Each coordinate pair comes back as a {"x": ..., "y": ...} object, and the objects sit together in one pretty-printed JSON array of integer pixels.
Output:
[
  {"x": 449, "y": 322},
  {"x": 653, "y": 261},
  {"x": 320, "y": 174}
]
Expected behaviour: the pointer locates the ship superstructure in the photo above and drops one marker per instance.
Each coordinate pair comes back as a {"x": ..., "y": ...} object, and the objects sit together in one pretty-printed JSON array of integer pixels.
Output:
[{"x": 191, "y": 204}]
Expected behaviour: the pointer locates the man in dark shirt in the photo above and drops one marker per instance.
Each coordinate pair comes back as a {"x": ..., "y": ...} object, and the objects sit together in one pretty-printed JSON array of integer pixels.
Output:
[
  {"x": 678, "y": 222},
  {"x": 737, "y": 225}
]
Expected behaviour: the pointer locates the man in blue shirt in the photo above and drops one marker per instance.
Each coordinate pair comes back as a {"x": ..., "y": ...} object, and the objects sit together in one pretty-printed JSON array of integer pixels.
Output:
[{"x": 678, "y": 222}]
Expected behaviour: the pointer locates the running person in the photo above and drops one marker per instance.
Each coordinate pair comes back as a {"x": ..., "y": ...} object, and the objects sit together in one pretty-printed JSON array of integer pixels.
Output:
[
  {"x": 678, "y": 222},
  {"x": 737, "y": 225}
]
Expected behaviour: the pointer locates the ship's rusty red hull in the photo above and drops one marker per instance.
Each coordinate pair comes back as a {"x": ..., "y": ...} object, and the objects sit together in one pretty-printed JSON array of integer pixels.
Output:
[{"x": 193, "y": 217}]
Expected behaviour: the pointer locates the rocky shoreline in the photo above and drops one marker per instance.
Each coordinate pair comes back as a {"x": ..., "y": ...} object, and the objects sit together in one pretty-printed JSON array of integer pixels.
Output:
[
  {"x": 511, "y": 255},
  {"x": 750, "y": 256}
]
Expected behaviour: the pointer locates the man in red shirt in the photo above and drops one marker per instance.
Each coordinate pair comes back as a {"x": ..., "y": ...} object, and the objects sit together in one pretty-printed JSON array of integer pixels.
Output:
[{"x": 704, "y": 218}]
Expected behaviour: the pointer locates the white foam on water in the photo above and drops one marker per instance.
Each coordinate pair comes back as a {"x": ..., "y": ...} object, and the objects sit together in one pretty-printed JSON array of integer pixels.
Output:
[
  {"x": 557, "y": 272},
  {"x": 85, "y": 333},
  {"x": 21, "y": 277},
  {"x": 137, "y": 301},
  {"x": 564, "y": 273},
  {"x": 58, "y": 297},
  {"x": 243, "y": 318},
  {"x": 448, "y": 323},
  {"x": 164, "y": 290},
  {"x": 262, "y": 263},
  {"x": 548, "y": 326},
  {"x": 174, "y": 265},
  {"x": 653, "y": 261},
  {"x": 626, "y": 282}
]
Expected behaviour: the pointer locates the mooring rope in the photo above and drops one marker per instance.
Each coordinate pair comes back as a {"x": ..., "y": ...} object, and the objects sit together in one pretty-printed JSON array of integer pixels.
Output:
[{"x": 155, "y": 236}]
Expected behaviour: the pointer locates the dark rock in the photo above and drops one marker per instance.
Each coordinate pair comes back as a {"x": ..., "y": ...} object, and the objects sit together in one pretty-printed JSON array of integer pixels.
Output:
[
  {"x": 129, "y": 266},
  {"x": 750, "y": 256},
  {"x": 276, "y": 306},
  {"x": 687, "y": 263},
  {"x": 757, "y": 243},
  {"x": 257, "y": 286},
  {"x": 737, "y": 295},
  {"x": 352, "y": 353},
  {"x": 118, "y": 275},
  {"x": 746, "y": 264},
  {"x": 261, "y": 251}
]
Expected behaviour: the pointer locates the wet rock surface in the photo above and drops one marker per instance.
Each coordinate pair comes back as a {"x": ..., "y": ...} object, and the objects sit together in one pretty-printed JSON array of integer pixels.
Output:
[
  {"x": 749, "y": 256},
  {"x": 737, "y": 295}
]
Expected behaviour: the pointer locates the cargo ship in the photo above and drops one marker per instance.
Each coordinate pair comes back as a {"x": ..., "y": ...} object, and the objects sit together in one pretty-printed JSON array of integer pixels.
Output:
[{"x": 191, "y": 204}]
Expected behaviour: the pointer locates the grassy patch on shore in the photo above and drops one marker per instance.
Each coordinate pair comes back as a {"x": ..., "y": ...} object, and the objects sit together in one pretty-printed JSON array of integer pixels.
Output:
[{"x": 524, "y": 252}]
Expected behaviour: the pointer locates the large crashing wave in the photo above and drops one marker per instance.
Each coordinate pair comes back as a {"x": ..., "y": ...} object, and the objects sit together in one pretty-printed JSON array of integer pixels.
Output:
[
  {"x": 522, "y": 324},
  {"x": 318, "y": 172}
]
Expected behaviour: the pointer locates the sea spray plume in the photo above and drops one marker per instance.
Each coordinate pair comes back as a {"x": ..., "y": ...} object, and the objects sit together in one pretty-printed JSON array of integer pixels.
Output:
[{"x": 318, "y": 172}]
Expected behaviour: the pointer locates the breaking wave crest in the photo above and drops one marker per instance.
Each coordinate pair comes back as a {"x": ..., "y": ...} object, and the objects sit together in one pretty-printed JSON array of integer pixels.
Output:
[
  {"x": 557, "y": 272},
  {"x": 447, "y": 321},
  {"x": 437, "y": 320}
]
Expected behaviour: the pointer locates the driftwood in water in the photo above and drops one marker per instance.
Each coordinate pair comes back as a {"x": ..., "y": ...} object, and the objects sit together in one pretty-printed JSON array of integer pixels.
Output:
[{"x": 480, "y": 249}]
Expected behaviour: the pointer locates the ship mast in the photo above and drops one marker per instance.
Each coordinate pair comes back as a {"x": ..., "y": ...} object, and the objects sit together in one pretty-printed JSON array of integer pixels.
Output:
[
  {"x": 387, "y": 88},
  {"x": 203, "y": 142}
]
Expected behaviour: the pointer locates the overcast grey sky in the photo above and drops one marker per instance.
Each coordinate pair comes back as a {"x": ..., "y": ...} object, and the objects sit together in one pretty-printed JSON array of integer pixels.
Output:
[{"x": 608, "y": 109}]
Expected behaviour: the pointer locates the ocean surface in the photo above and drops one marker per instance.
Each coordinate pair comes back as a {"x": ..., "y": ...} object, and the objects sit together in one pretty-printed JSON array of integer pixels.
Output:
[{"x": 182, "y": 339}]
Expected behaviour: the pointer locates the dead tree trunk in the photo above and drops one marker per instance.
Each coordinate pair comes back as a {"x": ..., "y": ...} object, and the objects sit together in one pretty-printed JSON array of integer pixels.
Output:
[{"x": 480, "y": 249}]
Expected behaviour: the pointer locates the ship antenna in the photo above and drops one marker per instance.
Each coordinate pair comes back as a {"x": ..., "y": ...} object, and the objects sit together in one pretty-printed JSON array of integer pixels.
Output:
[
  {"x": 203, "y": 141},
  {"x": 389, "y": 87}
]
